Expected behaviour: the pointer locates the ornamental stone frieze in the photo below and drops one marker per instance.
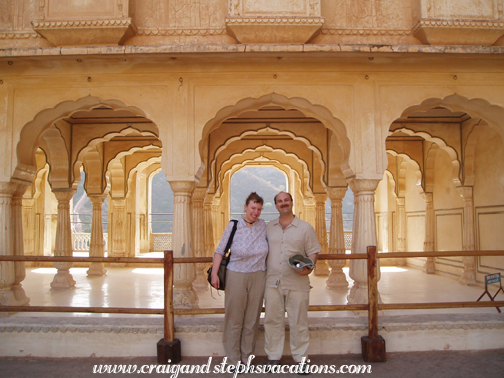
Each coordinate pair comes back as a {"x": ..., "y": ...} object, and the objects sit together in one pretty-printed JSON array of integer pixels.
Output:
[
  {"x": 94, "y": 22},
  {"x": 281, "y": 21}
]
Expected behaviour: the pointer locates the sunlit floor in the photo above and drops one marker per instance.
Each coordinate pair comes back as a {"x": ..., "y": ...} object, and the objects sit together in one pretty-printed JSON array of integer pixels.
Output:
[{"x": 143, "y": 288}]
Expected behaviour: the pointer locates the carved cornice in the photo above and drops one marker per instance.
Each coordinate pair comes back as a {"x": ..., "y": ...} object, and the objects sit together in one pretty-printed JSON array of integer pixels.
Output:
[
  {"x": 19, "y": 35},
  {"x": 458, "y": 24},
  {"x": 181, "y": 32},
  {"x": 275, "y": 20},
  {"x": 365, "y": 32},
  {"x": 72, "y": 24}
]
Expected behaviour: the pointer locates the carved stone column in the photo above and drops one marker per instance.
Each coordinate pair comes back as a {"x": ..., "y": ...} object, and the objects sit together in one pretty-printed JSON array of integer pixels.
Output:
[
  {"x": 364, "y": 234},
  {"x": 209, "y": 233},
  {"x": 28, "y": 219},
  {"x": 322, "y": 268},
  {"x": 63, "y": 247},
  {"x": 337, "y": 279},
  {"x": 118, "y": 227},
  {"x": 429, "y": 266},
  {"x": 184, "y": 295},
  {"x": 19, "y": 266},
  {"x": 217, "y": 227},
  {"x": 309, "y": 210},
  {"x": 401, "y": 227},
  {"x": 97, "y": 246},
  {"x": 201, "y": 283},
  {"x": 468, "y": 276},
  {"x": 7, "y": 270}
]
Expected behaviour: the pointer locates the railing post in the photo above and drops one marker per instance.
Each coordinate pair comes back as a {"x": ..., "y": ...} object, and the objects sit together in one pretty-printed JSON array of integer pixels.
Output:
[
  {"x": 168, "y": 348},
  {"x": 373, "y": 345}
]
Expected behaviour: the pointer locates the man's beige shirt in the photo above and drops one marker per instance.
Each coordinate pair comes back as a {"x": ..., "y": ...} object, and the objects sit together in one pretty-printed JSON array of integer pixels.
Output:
[{"x": 297, "y": 238}]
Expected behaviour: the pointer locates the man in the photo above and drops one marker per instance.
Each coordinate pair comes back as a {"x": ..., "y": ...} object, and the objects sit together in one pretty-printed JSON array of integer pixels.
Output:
[{"x": 287, "y": 289}]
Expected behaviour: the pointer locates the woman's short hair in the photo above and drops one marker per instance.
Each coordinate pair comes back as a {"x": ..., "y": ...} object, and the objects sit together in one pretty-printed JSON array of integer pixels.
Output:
[{"x": 254, "y": 197}]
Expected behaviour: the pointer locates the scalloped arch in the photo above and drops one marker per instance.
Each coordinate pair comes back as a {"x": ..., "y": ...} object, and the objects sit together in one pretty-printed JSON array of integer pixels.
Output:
[
  {"x": 442, "y": 145},
  {"x": 319, "y": 112},
  {"x": 401, "y": 179},
  {"x": 229, "y": 141},
  {"x": 30, "y": 133},
  {"x": 476, "y": 108},
  {"x": 234, "y": 157}
]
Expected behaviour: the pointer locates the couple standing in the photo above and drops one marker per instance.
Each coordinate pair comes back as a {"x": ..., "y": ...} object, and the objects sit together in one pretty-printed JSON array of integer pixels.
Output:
[{"x": 259, "y": 268}]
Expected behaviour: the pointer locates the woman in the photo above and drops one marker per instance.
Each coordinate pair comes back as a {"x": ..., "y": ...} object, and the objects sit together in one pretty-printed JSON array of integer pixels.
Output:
[{"x": 245, "y": 280}]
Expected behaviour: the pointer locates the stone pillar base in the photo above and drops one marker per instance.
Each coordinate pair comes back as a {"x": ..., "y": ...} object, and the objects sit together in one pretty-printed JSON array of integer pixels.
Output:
[
  {"x": 63, "y": 280},
  {"x": 201, "y": 283},
  {"x": 20, "y": 295},
  {"x": 467, "y": 278},
  {"x": 358, "y": 294},
  {"x": 7, "y": 298},
  {"x": 96, "y": 270},
  {"x": 185, "y": 298},
  {"x": 429, "y": 266},
  {"x": 373, "y": 350},
  {"x": 322, "y": 269},
  {"x": 169, "y": 352},
  {"x": 336, "y": 280}
]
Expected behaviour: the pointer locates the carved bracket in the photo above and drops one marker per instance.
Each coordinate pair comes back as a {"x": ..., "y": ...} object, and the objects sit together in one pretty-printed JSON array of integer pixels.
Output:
[
  {"x": 85, "y": 32},
  {"x": 458, "y": 32}
]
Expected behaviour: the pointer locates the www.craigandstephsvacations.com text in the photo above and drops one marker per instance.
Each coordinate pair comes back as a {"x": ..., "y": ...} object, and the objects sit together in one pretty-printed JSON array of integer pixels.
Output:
[{"x": 173, "y": 371}]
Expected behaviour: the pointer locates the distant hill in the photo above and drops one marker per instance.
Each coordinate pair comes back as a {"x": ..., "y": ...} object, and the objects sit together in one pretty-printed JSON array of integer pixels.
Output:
[{"x": 266, "y": 181}]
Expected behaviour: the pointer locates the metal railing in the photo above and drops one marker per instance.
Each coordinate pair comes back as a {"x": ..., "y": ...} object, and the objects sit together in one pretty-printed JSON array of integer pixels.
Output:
[{"x": 169, "y": 311}]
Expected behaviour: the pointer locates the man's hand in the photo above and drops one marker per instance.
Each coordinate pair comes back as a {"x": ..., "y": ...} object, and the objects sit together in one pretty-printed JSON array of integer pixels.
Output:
[{"x": 304, "y": 272}]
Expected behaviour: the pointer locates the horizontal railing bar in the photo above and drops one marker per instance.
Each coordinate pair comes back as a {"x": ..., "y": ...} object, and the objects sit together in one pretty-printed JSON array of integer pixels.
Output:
[
  {"x": 187, "y": 260},
  {"x": 154, "y": 311},
  {"x": 341, "y": 256},
  {"x": 438, "y": 305},
  {"x": 139, "y": 260},
  {"x": 94, "y": 310},
  {"x": 385, "y": 255}
]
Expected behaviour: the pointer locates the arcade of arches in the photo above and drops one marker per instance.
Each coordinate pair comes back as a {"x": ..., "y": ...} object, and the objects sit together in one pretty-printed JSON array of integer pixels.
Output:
[{"x": 431, "y": 180}]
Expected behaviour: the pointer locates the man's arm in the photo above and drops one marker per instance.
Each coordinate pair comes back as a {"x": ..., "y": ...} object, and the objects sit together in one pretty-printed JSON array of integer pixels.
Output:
[{"x": 306, "y": 271}]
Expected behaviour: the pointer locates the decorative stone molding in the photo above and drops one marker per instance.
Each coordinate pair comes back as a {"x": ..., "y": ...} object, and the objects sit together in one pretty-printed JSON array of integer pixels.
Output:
[
  {"x": 181, "y": 32},
  {"x": 274, "y": 29},
  {"x": 19, "y": 35},
  {"x": 365, "y": 32},
  {"x": 458, "y": 32},
  {"x": 85, "y": 32}
]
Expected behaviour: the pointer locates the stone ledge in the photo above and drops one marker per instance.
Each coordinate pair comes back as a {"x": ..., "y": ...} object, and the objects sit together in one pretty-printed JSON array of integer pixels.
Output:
[
  {"x": 246, "y": 48},
  {"x": 215, "y": 324}
]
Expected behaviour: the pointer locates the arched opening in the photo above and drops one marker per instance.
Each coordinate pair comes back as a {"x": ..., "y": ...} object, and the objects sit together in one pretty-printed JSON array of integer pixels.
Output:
[{"x": 266, "y": 181}]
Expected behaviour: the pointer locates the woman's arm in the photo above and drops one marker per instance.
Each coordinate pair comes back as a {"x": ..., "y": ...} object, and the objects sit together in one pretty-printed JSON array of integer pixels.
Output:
[{"x": 217, "y": 258}]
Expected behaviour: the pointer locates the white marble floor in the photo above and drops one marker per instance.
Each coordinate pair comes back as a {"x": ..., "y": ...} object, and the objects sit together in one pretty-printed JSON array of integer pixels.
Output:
[{"x": 143, "y": 288}]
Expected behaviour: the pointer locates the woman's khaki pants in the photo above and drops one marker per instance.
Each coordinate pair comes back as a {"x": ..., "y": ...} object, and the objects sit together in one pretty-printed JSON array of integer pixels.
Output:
[{"x": 243, "y": 304}]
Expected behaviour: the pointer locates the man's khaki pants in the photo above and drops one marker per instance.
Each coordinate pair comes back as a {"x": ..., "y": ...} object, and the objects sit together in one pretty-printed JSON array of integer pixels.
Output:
[
  {"x": 296, "y": 303},
  {"x": 243, "y": 304}
]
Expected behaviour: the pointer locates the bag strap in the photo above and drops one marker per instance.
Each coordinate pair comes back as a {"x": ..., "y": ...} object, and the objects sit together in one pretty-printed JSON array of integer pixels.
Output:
[{"x": 230, "y": 241}]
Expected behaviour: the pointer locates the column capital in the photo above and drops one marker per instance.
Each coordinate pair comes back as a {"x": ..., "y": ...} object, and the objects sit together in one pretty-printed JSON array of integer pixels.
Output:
[
  {"x": 401, "y": 201},
  {"x": 97, "y": 199},
  {"x": 337, "y": 193},
  {"x": 182, "y": 187},
  {"x": 7, "y": 188},
  {"x": 63, "y": 195},
  {"x": 427, "y": 197},
  {"x": 199, "y": 194},
  {"x": 466, "y": 192},
  {"x": 320, "y": 198},
  {"x": 363, "y": 185}
]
